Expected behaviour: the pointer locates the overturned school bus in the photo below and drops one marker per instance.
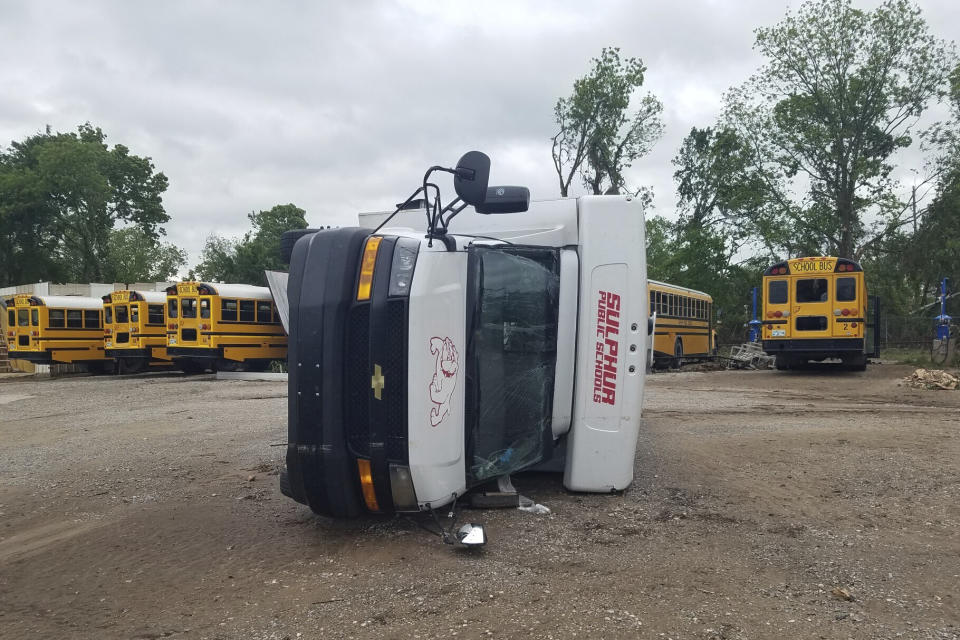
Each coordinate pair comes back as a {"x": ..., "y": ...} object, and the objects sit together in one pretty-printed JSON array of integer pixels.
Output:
[{"x": 424, "y": 363}]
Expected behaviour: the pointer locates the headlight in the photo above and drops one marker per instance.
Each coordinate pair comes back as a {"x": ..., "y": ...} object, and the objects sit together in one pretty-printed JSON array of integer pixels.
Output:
[{"x": 401, "y": 271}]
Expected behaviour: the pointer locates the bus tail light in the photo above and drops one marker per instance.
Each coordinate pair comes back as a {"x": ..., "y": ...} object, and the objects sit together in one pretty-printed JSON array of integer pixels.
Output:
[
  {"x": 35, "y": 334},
  {"x": 172, "y": 325},
  {"x": 845, "y": 312},
  {"x": 366, "y": 484},
  {"x": 204, "y": 327},
  {"x": 769, "y": 314},
  {"x": 778, "y": 314},
  {"x": 853, "y": 324},
  {"x": 366, "y": 267}
]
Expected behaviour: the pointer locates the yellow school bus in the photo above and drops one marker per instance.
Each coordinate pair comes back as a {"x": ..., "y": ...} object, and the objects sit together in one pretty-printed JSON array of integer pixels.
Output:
[
  {"x": 815, "y": 308},
  {"x": 223, "y": 326},
  {"x": 135, "y": 329},
  {"x": 684, "y": 326},
  {"x": 56, "y": 330}
]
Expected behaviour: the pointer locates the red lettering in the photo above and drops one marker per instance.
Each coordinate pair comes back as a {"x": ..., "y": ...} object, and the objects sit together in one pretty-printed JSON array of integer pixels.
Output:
[{"x": 607, "y": 349}]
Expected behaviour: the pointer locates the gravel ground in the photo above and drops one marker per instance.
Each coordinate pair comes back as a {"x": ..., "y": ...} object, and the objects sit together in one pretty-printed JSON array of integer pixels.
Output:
[{"x": 814, "y": 504}]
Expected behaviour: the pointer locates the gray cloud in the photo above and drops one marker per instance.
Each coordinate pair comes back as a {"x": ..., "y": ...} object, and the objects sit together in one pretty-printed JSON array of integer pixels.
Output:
[{"x": 340, "y": 107}]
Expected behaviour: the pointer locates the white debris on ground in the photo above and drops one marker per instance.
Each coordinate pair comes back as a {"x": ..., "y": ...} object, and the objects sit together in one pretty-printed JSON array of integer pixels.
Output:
[{"x": 932, "y": 379}]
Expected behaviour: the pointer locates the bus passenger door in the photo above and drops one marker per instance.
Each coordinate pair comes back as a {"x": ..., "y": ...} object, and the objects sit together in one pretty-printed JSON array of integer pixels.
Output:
[
  {"x": 811, "y": 313},
  {"x": 848, "y": 306}
]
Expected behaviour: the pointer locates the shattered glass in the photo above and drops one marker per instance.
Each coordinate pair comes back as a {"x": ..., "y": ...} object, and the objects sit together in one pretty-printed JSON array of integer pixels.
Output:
[{"x": 512, "y": 355}]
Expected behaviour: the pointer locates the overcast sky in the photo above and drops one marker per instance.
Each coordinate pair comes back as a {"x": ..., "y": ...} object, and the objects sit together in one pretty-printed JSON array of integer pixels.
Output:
[{"x": 339, "y": 107}]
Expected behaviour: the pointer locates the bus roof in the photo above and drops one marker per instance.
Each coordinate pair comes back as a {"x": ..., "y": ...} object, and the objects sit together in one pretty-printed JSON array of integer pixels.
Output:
[
  {"x": 66, "y": 302},
  {"x": 667, "y": 285},
  {"x": 148, "y": 296},
  {"x": 238, "y": 290}
]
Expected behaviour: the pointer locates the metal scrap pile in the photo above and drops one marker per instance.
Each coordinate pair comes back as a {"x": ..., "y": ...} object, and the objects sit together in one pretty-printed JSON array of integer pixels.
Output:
[{"x": 932, "y": 379}]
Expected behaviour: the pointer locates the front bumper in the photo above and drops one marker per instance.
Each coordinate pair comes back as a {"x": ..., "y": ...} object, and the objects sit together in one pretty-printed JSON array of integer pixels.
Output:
[{"x": 321, "y": 472}]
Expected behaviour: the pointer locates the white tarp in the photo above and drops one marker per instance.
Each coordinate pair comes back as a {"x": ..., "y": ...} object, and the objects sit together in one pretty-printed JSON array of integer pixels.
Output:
[{"x": 277, "y": 281}]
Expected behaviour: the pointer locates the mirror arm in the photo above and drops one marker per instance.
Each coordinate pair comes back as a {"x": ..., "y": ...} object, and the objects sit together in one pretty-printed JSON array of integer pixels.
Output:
[
  {"x": 398, "y": 210},
  {"x": 454, "y": 212}
]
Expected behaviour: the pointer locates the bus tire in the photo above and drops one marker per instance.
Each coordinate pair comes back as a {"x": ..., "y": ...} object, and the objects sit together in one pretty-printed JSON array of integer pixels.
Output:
[
  {"x": 856, "y": 362},
  {"x": 191, "y": 368},
  {"x": 782, "y": 362},
  {"x": 677, "y": 354},
  {"x": 228, "y": 365},
  {"x": 288, "y": 239}
]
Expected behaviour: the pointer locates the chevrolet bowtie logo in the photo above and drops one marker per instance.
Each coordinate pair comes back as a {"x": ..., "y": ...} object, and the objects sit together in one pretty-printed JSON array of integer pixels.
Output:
[{"x": 377, "y": 381}]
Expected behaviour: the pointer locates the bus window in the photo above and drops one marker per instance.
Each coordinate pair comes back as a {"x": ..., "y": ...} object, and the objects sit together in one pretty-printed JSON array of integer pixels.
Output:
[
  {"x": 188, "y": 307},
  {"x": 653, "y": 299},
  {"x": 74, "y": 318},
  {"x": 135, "y": 313},
  {"x": 155, "y": 314},
  {"x": 11, "y": 318},
  {"x": 57, "y": 319},
  {"x": 121, "y": 312},
  {"x": 91, "y": 318},
  {"x": 23, "y": 317},
  {"x": 228, "y": 310},
  {"x": 846, "y": 289},
  {"x": 34, "y": 318},
  {"x": 172, "y": 307},
  {"x": 204, "y": 307},
  {"x": 812, "y": 290},
  {"x": 777, "y": 292},
  {"x": 107, "y": 314},
  {"x": 264, "y": 314},
  {"x": 247, "y": 313}
]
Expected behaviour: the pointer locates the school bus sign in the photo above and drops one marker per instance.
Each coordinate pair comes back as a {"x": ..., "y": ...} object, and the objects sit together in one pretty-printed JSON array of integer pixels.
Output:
[{"x": 813, "y": 265}]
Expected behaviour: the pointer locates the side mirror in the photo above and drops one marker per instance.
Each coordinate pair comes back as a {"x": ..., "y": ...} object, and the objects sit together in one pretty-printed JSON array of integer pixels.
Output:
[
  {"x": 505, "y": 200},
  {"x": 471, "y": 176}
]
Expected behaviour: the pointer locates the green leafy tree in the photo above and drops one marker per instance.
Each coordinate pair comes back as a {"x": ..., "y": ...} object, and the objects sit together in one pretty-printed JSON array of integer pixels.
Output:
[
  {"x": 61, "y": 195},
  {"x": 599, "y": 137},
  {"x": 841, "y": 92},
  {"x": 136, "y": 256},
  {"x": 699, "y": 258},
  {"x": 244, "y": 261}
]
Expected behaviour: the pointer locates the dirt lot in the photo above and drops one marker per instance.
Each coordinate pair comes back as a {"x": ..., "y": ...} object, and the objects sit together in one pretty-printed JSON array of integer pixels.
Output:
[{"x": 150, "y": 508}]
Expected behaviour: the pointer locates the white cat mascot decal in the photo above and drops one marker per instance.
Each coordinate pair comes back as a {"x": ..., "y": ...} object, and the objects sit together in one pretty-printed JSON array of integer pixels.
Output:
[{"x": 444, "y": 378}]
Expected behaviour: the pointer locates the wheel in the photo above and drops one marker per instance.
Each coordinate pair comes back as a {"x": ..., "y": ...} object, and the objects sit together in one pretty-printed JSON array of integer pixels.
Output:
[
  {"x": 288, "y": 239},
  {"x": 228, "y": 365},
  {"x": 129, "y": 366},
  {"x": 677, "y": 354},
  {"x": 191, "y": 367},
  {"x": 856, "y": 362},
  {"x": 782, "y": 362}
]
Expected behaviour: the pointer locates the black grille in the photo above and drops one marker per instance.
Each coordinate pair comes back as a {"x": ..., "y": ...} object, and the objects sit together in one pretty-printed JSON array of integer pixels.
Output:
[
  {"x": 123, "y": 338},
  {"x": 357, "y": 388},
  {"x": 23, "y": 341},
  {"x": 395, "y": 372},
  {"x": 188, "y": 335}
]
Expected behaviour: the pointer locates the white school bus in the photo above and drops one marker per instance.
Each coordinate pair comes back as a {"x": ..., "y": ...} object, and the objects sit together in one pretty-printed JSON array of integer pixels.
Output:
[{"x": 424, "y": 364}]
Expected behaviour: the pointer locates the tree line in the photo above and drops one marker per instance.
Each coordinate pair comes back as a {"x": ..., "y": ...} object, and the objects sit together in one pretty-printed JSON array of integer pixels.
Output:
[
  {"x": 75, "y": 209},
  {"x": 802, "y": 160}
]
